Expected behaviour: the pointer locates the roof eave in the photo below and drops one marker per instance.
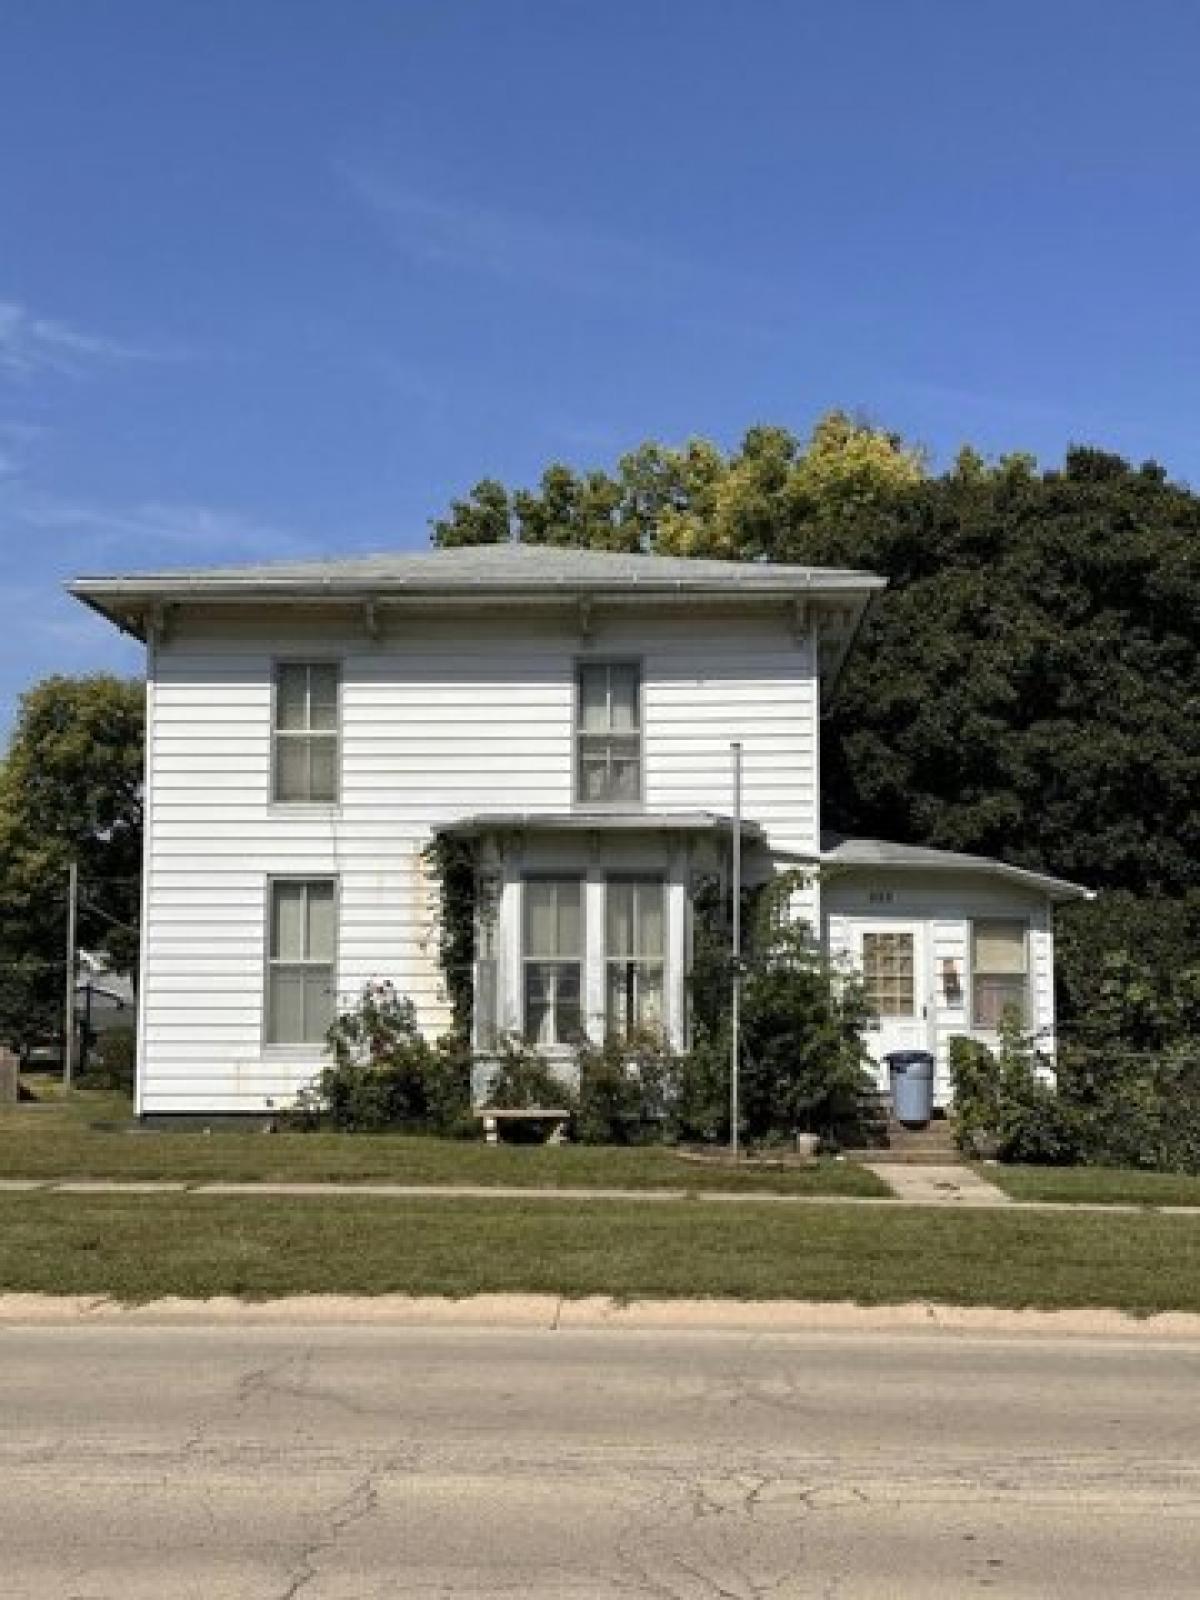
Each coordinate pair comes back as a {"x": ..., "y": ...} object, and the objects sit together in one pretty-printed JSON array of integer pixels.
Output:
[{"x": 1057, "y": 888}]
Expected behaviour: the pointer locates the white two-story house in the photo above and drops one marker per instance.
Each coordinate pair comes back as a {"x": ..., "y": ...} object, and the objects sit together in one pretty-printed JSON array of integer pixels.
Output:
[{"x": 311, "y": 726}]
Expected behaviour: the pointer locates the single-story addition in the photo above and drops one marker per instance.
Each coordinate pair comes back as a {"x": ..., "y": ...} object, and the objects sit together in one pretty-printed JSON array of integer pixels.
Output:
[{"x": 312, "y": 726}]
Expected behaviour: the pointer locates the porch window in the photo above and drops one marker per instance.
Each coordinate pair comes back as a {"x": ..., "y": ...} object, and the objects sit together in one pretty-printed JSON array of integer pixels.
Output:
[
  {"x": 888, "y": 974},
  {"x": 610, "y": 733},
  {"x": 300, "y": 960},
  {"x": 305, "y": 755},
  {"x": 634, "y": 955},
  {"x": 999, "y": 973},
  {"x": 553, "y": 959}
]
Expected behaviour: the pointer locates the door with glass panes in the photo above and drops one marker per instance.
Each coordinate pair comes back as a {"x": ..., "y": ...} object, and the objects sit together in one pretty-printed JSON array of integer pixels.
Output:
[{"x": 891, "y": 958}]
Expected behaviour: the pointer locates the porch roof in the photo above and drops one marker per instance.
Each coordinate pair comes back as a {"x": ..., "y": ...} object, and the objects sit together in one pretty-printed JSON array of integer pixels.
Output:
[
  {"x": 599, "y": 822},
  {"x": 838, "y": 851}
]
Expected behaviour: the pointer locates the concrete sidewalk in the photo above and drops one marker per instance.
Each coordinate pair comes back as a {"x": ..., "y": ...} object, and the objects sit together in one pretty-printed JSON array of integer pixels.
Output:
[
  {"x": 555, "y": 1313},
  {"x": 957, "y": 1188},
  {"x": 951, "y": 1185}
]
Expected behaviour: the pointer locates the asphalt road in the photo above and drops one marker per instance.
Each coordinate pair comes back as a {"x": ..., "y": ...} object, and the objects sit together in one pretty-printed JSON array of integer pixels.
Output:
[{"x": 147, "y": 1463}]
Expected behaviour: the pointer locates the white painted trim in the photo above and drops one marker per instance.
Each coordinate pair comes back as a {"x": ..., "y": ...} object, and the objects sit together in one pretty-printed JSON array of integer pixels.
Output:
[{"x": 147, "y": 867}]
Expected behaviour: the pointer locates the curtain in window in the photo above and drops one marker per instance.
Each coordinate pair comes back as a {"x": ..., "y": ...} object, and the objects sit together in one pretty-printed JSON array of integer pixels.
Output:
[{"x": 634, "y": 955}]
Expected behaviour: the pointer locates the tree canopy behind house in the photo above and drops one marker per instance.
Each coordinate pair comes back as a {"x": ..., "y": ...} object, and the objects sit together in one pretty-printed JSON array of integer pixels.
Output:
[{"x": 1029, "y": 685}]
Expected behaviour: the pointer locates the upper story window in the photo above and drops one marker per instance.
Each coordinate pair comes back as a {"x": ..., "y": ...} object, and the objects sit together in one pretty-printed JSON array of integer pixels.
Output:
[
  {"x": 305, "y": 757},
  {"x": 610, "y": 733},
  {"x": 300, "y": 960},
  {"x": 999, "y": 973}
]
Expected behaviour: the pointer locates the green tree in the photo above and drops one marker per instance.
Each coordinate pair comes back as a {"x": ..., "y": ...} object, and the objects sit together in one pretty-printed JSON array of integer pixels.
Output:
[
  {"x": 1029, "y": 685},
  {"x": 70, "y": 789},
  {"x": 697, "y": 500}
]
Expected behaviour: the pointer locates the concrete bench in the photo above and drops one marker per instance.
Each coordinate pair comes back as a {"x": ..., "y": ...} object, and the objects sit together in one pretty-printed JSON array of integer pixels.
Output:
[{"x": 493, "y": 1116}]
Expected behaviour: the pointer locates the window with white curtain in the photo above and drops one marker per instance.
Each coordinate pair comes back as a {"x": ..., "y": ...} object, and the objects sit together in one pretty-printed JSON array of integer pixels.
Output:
[
  {"x": 999, "y": 973},
  {"x": 553, "y": 960},
  {"x": 634, "y": 955},
  {"x": 300, "y": 960},
  {"x": 610, "y": 733},
  {"x": 305, "y": 757}
]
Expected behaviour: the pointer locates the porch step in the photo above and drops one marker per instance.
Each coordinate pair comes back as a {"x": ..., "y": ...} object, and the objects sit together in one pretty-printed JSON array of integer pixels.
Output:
[{"x": 931, "y": 1146}]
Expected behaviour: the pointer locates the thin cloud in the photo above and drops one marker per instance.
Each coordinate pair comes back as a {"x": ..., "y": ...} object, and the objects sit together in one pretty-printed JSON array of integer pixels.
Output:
[
  {"x": 565, "y": 257},
  {"x": 151, "y": 532},
  {"x": 31, "y": 344}
]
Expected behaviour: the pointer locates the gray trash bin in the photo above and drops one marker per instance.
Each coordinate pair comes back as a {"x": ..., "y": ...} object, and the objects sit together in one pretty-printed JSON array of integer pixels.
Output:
[{"x": 911, "y": 1073}]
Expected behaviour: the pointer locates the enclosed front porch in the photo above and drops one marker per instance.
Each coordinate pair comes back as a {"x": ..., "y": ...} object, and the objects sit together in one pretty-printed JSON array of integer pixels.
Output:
[{"x": 584, "y": 926}]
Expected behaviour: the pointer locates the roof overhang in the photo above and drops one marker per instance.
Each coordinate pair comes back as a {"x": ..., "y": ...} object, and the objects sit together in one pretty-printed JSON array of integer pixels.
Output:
[
  {"x": 495, "y": 822},
  {"x": 831, "y": 602},
  {"x": 864, "y": 856}
]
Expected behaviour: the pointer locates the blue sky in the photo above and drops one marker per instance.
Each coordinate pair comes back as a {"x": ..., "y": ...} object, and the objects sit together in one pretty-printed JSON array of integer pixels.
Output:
[{"x": 283, "y": 277}]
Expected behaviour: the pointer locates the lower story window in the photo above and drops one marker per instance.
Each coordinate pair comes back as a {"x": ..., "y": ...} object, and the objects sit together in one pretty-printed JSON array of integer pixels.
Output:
[
  {"x": 553, "y": 961},
  {"x": 889, "y": 974},
  {"x": 634, "y": 956},
  {"x": 999, "y": 974},
  {"x": 300, "y": 960}
]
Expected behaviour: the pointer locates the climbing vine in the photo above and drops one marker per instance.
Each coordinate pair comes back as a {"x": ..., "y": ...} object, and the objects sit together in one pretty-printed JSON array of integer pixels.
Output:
[{"x": 454, "y": 864}]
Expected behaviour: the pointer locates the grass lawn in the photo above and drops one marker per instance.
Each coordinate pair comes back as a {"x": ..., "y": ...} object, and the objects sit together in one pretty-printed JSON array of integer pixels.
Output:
[
  {"x": 58, "y": 1140},
  {"x": 139, "y": 1247},
  {"x": 1097, "y": 1185}
]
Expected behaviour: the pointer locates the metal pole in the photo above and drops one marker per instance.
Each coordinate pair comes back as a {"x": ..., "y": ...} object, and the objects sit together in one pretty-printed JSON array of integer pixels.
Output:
[
  {"x": 69, "y": 1004},
  {"x": 735, "y": 1020}
]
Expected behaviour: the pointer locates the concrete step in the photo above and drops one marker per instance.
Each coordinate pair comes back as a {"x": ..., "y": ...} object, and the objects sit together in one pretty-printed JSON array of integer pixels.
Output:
[{"x": 931, "y": 1146}]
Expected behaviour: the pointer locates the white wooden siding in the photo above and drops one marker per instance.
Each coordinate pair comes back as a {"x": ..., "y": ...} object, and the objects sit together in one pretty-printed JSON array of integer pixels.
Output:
[
  {"x": 437, "y": 722},
  {"x": 945, "y": 905}
]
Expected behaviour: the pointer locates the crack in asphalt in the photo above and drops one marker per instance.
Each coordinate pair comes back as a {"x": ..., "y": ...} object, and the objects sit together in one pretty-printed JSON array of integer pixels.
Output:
[{"x": 352, "y": 1508}]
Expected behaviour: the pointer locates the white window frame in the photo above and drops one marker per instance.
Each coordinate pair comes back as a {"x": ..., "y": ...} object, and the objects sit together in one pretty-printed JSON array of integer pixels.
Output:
[
  {"x": 1012, "y": 922},
  {"x": 606, "y": 663},
  {"x": 904, "y": 932},
  {"x": 272, "y": 963},
  {"x": 308, "y": 734},
  {"x": 634, "y": 963},
  {"x": 528, "y": 960}
]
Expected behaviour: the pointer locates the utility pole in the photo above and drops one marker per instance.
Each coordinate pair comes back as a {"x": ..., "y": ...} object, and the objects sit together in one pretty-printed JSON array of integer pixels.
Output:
[
  {"x": 736, "y": 996},
  {"x": 69, "y": 1004}
]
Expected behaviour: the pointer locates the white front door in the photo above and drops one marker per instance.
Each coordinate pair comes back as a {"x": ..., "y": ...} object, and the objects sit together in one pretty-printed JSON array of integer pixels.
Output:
[{"x": 892, "y": 959}]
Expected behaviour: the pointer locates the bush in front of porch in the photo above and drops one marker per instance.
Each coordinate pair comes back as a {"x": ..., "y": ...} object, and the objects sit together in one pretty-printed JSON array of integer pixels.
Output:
[{"x": 1110, "y": 1106}]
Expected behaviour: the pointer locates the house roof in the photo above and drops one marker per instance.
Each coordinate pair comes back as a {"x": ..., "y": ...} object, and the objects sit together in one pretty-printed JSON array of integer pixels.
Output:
[
  {"x": 600, "y": 822},
  {"x": 494, "y": 575},
  {"x": 839, "y": 851},
  {"x": 481, "y": 569}
]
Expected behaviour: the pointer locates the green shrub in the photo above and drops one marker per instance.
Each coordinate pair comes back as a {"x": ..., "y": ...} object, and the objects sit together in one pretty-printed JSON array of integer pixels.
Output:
[
  {"x": 1109, "y": 1107},
  {"x": 1006, "y": 1107},
  {"x": 803, "y": 1066},
  {"x": 1135, "y": 1109},
  {"x": 627, "y": 1090},
  {"x": 112, "y": 1063},
  {"x": 385, "y": 1074},
  {"x": 525, "y": 1081},
  {"x": 701, "y": 1108}
]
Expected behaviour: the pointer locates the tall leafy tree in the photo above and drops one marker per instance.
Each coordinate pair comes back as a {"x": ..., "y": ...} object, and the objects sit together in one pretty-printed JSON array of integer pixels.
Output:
[
  {"x": 1029, "y": 685},
  {"x": 70, "y": 789}
]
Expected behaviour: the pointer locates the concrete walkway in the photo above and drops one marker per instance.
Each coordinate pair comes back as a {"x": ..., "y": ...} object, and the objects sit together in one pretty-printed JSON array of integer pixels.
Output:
[
  {"x": 938, "y": 1186},
  {"x": 961, "y": 1188}
]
